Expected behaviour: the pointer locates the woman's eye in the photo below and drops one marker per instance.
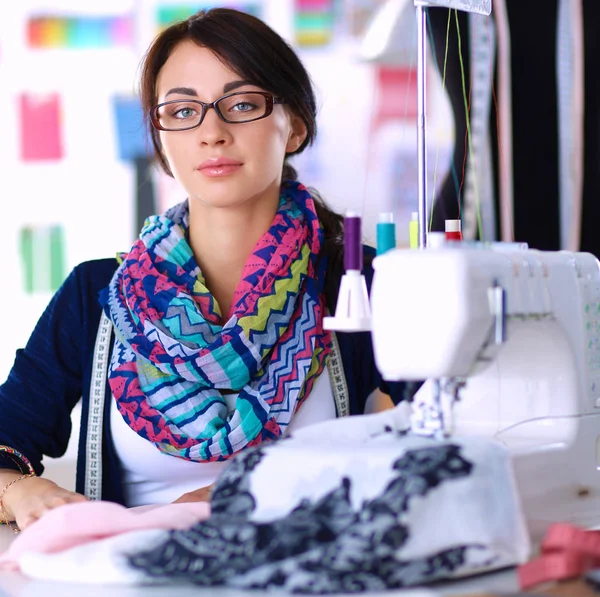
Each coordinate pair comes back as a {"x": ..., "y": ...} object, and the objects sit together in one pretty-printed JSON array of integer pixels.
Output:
[
  {"x": 184, "y": 113},
  {"x": 243, "y": 107}
]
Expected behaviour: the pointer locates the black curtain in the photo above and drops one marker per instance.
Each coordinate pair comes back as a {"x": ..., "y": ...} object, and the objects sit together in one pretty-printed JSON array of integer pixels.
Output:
[{"x": 533, "y": 32}]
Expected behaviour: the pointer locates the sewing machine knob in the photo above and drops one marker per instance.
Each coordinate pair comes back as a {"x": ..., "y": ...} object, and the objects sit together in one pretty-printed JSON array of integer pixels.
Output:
[{"x": 497, "y": 302}]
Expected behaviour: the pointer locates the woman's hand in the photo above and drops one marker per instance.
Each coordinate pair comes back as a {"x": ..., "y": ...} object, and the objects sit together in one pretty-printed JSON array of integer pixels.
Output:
[
  {"x": 200, "y": 495},
  {"x": 29, "y": 499}
]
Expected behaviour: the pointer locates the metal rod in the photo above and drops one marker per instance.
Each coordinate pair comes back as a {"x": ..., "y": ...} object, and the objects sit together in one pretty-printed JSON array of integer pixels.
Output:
[{"x": 422, "y": 120}]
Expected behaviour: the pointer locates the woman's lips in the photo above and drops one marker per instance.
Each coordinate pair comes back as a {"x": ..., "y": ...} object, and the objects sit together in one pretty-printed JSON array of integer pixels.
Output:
[
  {"x": 222, "y": 170},
  {"x": 219, "y": 167}
]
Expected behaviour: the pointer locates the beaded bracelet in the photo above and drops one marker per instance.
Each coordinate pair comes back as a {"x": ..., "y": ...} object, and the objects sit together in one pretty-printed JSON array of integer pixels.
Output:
[{"x": 19, "y": 460}]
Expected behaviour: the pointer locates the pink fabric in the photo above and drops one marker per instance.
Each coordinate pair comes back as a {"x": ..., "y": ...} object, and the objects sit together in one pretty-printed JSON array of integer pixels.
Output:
[
  {"x": 567, "y": 551},
  {"x": 83, "y": 522}
]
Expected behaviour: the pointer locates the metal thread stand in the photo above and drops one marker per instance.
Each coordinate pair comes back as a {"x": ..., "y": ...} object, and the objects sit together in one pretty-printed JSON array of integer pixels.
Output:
[{"x": 477, "y": 6}]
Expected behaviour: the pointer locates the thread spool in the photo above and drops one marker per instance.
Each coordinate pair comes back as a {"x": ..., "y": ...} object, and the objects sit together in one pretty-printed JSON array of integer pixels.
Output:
[
  {"x": 353, "y": 256},
  {"x": 453, "y": 230},
  {"x": 413, "y": 230},
  {"x": 436, "y": 240},
  {"x": 386, "y": 233},
  {"x": 353, "y": 310}
]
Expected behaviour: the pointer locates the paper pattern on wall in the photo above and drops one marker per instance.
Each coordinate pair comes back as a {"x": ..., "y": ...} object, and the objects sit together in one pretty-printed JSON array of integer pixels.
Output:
[
  {"x": 169, "y": 13},
  {"x": 42, "y": 251},
  {"x": 79, "y": 32},
  {"x": 314, "y": 22},
  {"x": 396, "y": 94},
  {"x": 40, "y": 127},
  {"x": 133, "y": 140}
]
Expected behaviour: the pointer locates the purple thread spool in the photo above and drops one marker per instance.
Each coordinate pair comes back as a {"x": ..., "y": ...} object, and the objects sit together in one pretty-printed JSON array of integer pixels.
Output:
[{"x": 353, "y": 256}]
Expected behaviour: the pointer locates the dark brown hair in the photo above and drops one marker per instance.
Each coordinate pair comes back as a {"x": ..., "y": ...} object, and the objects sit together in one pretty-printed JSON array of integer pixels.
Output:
[{"x": 255, "y": 52}]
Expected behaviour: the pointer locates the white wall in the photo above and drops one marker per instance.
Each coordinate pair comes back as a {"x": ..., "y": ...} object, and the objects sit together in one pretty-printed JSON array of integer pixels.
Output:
[{"x": 91, "y": 192}]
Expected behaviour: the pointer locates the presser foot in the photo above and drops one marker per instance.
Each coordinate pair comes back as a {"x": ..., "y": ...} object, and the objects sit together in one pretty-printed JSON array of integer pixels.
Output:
[{"x": 432, "y": 415}]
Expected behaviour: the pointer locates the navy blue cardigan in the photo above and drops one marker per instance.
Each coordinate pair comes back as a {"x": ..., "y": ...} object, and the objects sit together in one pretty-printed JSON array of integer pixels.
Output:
[{"x": 53, "y": 372}]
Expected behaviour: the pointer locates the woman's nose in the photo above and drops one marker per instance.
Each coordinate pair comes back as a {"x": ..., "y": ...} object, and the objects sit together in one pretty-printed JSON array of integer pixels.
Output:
[{"x": 213, "y": 130}]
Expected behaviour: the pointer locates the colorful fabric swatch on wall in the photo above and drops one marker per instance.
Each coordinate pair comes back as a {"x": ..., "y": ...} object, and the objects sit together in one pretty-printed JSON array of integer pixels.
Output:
[
  {"x": 40, "y": 127},
  {"x": 314, "y": 22},
  {"x": 133, "y": 139},
  {"x": 170, "y": 13},
  {"x": 45, "y": 32},
  {"x": 43, "y": 258}
]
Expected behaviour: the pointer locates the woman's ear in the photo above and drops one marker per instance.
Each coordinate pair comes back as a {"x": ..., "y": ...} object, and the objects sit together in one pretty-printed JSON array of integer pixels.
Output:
[{"x": 297, "y": 135}]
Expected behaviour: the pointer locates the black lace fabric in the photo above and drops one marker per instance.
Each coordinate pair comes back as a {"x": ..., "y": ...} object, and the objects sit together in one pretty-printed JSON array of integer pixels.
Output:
[{"x": 323, "y": 545}]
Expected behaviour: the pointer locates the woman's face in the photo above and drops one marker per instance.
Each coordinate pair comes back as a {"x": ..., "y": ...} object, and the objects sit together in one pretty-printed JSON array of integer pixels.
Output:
[{"x": 218, "y": 163}]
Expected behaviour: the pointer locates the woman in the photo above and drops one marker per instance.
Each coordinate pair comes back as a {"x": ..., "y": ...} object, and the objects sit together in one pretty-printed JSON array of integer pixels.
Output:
[{"x": 207, "y": 336}]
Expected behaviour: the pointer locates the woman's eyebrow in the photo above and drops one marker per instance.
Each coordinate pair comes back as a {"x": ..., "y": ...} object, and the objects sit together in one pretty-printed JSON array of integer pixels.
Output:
[
  {"x": 182, "y": 91},
  {"x": 193, "y": 93},
  {"x": 234, "y": 85}
]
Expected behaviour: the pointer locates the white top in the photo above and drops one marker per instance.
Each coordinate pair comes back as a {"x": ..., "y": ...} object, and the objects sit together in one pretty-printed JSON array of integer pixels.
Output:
[{"x": 152, "y": 477}]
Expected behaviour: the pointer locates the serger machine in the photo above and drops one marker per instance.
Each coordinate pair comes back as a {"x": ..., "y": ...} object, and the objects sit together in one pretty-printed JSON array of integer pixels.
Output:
[{"x": 509, "y": 341}]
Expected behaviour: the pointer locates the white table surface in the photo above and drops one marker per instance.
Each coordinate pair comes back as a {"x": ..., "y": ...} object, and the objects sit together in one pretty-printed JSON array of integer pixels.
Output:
[{"x": 13, "y": 584}]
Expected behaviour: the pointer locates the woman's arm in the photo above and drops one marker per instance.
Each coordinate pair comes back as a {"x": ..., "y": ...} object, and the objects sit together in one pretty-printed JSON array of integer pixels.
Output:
[
  {"x": 36, "y": 400},
  {"x": 45, "y": 381},
  {"x": 199, "y": 495},
  {"x": 381, "y": 401}
]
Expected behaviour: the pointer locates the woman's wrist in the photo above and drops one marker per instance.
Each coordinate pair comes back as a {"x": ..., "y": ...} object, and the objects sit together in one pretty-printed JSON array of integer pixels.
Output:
[
  {"x": 6, "y": 513},
  {"x": 7, "y": 480}
]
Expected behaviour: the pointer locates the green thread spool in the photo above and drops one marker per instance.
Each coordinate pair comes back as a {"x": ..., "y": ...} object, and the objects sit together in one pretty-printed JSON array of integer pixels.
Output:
[{"x": 386, "y": 233}]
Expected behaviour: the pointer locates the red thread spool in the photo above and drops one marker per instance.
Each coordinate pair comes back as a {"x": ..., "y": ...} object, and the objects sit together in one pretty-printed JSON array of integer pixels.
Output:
[{"x": 453, "y": 230}]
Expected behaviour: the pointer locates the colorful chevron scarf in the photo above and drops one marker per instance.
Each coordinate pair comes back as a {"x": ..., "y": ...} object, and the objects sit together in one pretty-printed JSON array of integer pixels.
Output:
[{"x": 172, "y": 358}]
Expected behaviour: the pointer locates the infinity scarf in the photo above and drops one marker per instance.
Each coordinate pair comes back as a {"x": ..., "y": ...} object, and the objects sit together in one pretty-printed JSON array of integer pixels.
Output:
[{"x": 172, "y": 357}]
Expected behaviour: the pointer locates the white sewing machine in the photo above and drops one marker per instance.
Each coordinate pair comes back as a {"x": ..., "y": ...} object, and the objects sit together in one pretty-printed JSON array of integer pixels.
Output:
[{"x": 511, "y": 340}]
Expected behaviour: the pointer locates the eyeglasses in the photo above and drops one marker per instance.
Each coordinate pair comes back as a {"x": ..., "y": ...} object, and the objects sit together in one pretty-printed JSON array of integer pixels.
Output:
[{"x": 235, "y": 108}]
